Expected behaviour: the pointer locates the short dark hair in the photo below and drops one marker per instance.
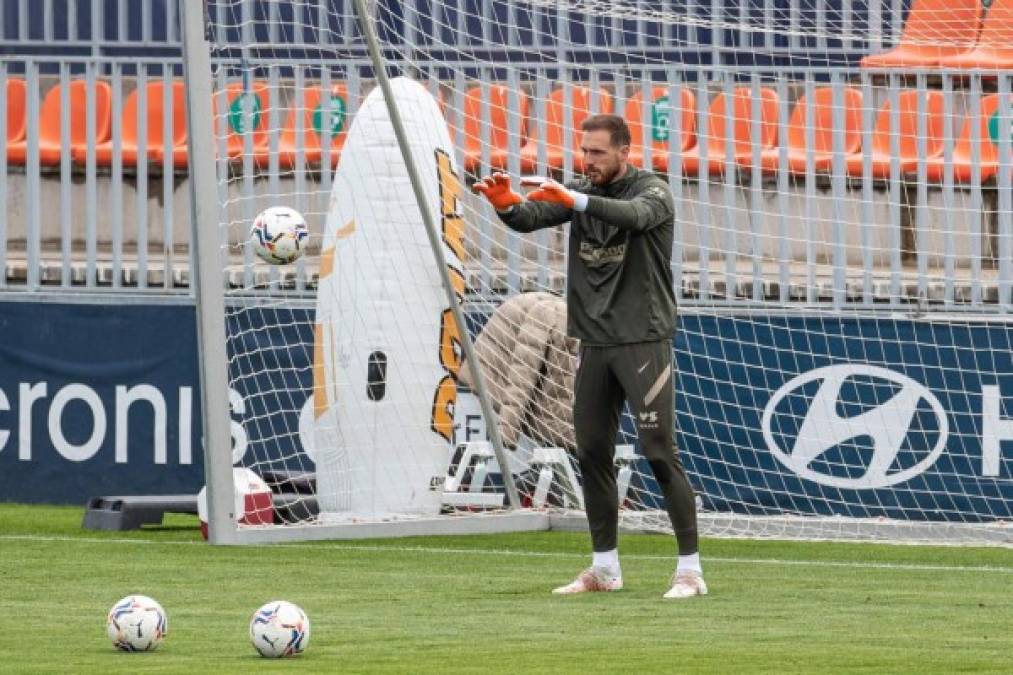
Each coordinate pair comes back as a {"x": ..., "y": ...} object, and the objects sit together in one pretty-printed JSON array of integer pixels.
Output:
[{"x": 619, "y": 133}]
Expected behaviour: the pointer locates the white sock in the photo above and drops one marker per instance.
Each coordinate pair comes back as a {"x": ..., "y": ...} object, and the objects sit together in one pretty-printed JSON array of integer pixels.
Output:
[
  {"x": 690, "y": 563},
  {"x": 607, "y": 560}
]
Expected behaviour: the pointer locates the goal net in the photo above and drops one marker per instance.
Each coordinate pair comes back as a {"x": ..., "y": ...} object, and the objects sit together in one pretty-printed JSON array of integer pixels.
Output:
[{"x": 842, "y": 258}]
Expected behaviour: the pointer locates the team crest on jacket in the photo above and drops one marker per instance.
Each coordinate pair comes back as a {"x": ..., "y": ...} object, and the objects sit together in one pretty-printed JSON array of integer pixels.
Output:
[{"x": 601, "y": 255}]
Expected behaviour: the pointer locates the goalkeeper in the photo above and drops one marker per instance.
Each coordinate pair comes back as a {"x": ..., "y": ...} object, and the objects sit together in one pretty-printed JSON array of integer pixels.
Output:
[{"x": 621, "y": 305}]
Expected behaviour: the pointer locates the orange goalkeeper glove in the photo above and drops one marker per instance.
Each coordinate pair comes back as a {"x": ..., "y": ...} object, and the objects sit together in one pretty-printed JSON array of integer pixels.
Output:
[
  {"x": 496, "y": 188},
  {"x": 554, "y": 193}
]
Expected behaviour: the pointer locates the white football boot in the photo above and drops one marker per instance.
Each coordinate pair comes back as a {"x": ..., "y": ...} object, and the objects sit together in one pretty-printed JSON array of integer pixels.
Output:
[
  {"x": 592, "y": 580},
  {"x": 687, "y": 584}
]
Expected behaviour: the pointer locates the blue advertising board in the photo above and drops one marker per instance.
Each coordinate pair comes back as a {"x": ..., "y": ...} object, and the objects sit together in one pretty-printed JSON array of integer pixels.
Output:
[
  {"x": 97, "y": 400},
  {"x": 852, "y": 416},
  {"x": 855, "y": 416}
]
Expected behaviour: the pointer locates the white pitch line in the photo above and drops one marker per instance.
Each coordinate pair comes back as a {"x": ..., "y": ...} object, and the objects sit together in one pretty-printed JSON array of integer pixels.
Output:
[{"x": 909, "y": 567}]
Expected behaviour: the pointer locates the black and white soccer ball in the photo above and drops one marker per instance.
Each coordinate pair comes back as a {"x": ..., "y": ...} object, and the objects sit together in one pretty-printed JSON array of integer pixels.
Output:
[
  {"x": 279, "y": 628},
  {"x": 279, "y": 235},
  {"x": 137, "y": 623}
]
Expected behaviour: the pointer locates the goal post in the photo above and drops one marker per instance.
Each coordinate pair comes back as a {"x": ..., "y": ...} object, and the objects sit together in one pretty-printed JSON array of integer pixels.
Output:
[
  {"x": 224, "y": 513},
  {"x": 206, "y": 279},
  {"x": 841, "y": 260}
]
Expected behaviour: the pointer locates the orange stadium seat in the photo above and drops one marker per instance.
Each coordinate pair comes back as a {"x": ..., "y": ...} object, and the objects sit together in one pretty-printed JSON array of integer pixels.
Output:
[
  {"x": 934, "y": 30},
  {"x": 235, "y": 143},
  {"x": 16, "y": 119},
  {"x": 499, "y": 126},
  {"x": 312, "y": 115},
  {"x": 659, "y": 125},
  {"x": 742, "y": 140},
  {"x": 580, "y": 109},
  {"x": 50, "y": 147},
  {"x": 129, "y": 144},
  {"x": 823, "y": 133},
  {"x": 880, "y": 153},
  {"x": 994, "y": 50},
  {"x": 962, "y": 149}
]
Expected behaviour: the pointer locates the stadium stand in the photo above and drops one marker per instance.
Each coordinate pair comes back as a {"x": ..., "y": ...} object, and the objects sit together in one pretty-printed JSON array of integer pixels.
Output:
[
  {"x": 579, "y": 109},
  {"x": 499, "y": 117},
  {"x": 929, "y": 23},
  {"x": 311, "y": 112},
  {"x": 742, "y": 135},
  {"x": 823, "y": 131},
  {"x": 934, "y": 30},
  {"x": 50, "y": 147},
  {"x": 881, "y": 151},
  {"x": 154, "y": 123},
  {"x": 963, "y": 151},
  {"x": 659, "y": 134}
]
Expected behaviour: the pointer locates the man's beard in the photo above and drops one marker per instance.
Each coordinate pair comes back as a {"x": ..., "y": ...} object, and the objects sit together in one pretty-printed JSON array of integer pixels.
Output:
[{"x": 603, "y": 176}]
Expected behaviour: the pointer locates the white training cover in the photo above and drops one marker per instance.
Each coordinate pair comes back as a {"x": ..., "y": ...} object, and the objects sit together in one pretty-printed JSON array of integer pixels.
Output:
[{"x": 380, "y": 297}]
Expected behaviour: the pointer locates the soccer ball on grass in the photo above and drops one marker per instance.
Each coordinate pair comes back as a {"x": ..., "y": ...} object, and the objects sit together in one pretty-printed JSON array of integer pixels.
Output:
[
  {"x": 137, "y": 624},
  {"x": 279, "y": 628}
]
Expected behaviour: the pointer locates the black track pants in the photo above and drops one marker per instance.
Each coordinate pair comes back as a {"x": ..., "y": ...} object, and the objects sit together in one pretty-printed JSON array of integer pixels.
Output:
[{"x": 642, "y": 374}]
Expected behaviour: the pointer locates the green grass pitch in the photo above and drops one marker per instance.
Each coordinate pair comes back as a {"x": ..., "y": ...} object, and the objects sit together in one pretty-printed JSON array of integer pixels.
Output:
[{"x": 482, "y": 604}]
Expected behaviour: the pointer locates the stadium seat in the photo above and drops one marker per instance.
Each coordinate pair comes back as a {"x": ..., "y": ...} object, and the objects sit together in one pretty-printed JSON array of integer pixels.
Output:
[
  {"x": 50, "y": 148},
  {"x": 880, "y": 152},
  {"x": 742, "y": 110},
  {"x": 235, "y": 142},
  {"x": 823, "y": 133},
  {"x": 934, "y": 30},
  {"x": 311, "y": 112},
  {"x": 580, "y": 109},
  {"x": 154, "y": 92},
  {"x": 994, "y": 50},
  {"x": 660, "y": 125},
  {"x": 988, "y": 154},
  {"x": 16, "y": 119},
  {"x": 499, "y": 125}
]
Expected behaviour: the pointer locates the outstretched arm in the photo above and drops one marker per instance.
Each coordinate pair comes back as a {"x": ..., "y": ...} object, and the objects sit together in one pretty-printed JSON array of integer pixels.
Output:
[
  {"x": 516, "y": 213},
  {"x": 651, "y": 207}
]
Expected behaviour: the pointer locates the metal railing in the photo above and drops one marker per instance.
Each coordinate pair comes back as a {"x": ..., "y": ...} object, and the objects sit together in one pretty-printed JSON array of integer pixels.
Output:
[
  {"x": 66, "y": 221},
  {"x": 819, "y": 236},
  {"x": 745, "y": 235}
]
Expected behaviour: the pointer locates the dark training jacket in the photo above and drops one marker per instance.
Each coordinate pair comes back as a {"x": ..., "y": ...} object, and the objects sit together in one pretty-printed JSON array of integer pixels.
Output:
[{"x": 619, "y": 274}]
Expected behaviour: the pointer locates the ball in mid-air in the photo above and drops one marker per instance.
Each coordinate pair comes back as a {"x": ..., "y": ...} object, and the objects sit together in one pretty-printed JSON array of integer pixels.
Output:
[{"x": 279, "y": 235}]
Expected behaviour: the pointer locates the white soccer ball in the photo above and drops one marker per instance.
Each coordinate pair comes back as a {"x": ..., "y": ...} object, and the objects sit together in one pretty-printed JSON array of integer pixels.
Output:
[
  {"x": 279, "y": 235},
  {"x": 137, "y": 624},
  {"x": 279, "y": 628}
]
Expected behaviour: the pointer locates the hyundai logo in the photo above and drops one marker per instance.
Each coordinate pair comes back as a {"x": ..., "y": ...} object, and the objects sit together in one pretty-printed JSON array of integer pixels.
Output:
[{"x": 886, "y": 423}]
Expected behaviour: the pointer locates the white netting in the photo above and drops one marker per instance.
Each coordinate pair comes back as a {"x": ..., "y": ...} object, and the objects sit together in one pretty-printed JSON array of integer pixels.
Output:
[{"x": 841, "y": 258}]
